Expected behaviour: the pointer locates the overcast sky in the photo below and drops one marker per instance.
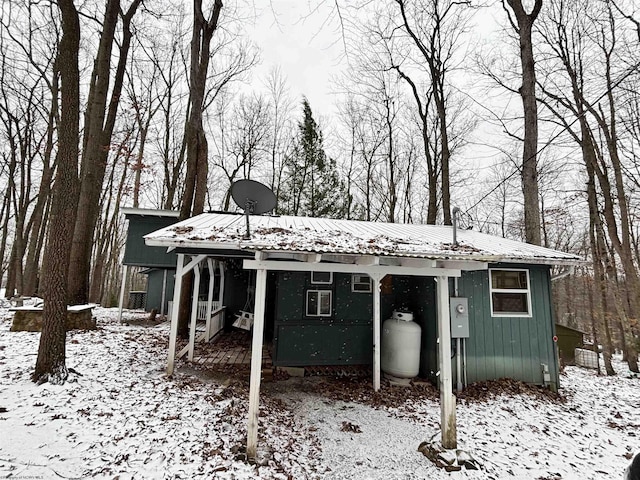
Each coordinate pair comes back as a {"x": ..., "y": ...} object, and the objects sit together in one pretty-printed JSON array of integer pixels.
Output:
[{"x": 306, "y": 43}]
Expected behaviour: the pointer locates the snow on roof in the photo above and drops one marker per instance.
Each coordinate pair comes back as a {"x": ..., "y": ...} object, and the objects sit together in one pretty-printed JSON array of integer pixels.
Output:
[{"x": 211, "y": 231}]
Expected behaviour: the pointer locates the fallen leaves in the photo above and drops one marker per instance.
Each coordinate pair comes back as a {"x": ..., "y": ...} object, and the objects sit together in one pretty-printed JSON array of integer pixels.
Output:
[{"x": 350, "y": 427}]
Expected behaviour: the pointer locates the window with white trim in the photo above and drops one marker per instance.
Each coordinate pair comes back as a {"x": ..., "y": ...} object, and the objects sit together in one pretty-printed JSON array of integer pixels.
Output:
[
  {"x": 510, "y": 292},
  {"x": 322, "y": 278},
  {"x": 360, "y": 283},
  {"x": 319, "y": 303}
]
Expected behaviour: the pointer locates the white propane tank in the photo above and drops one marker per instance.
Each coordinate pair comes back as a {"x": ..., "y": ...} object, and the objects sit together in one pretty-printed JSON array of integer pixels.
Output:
[{"x": 400, "y": 346}]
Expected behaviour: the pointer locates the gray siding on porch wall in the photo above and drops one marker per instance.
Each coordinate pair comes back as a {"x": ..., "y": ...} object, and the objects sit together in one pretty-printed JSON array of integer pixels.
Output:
[{"x": 512, "y": 347}]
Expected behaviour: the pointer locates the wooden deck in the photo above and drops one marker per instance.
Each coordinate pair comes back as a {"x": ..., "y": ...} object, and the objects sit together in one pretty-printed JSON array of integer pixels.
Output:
[{"x": 229, "y": 348}]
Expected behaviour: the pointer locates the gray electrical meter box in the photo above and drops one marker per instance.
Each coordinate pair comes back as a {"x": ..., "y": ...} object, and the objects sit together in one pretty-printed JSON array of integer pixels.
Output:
[{"x": 459, "y": 310}]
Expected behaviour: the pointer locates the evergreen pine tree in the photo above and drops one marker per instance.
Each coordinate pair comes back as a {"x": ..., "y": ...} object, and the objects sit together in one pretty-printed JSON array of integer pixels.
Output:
[{"x": 312, "y": 185}]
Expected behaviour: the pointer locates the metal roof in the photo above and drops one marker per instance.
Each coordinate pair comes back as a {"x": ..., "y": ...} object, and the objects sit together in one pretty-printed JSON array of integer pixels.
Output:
[
  {"x": 217, "y": 231},
  {"x": 148, "y": 212}
]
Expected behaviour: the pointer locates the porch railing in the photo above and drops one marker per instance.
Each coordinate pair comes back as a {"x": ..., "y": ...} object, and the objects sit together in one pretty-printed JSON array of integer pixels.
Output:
[
  {"x": 212, "y": 326},
  {"x": 202, "y": 309}
]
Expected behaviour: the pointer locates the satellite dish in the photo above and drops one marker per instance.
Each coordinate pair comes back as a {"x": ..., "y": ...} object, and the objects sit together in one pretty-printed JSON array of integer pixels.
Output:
[{"x": 254, "y": 198}]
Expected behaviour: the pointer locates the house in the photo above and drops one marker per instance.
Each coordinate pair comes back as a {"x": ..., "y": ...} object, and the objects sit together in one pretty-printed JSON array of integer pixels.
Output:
[
  {"x": 159, "y": 265},
  {"x": 323, "y": 288}
]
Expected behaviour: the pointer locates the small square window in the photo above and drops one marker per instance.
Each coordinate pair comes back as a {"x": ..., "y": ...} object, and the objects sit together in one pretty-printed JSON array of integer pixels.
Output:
[
  {"x": 360, "y": 283},
  {"x": 319, "y": 303},
  {"x": 322, "y": 278},
  {"x": 510, "y": 293}
]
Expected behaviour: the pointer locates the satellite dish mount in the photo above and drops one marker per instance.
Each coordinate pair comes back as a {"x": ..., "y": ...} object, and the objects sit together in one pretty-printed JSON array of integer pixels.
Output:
[{"x": 254, "y": 198}]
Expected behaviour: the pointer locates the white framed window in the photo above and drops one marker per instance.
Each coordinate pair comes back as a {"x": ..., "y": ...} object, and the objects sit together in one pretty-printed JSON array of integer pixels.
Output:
[
  {"x": 319, "y": 303},
  {"x": 510, "y": 292},
  {"x": 360, "y": 283},
  {"x": 321, "y": 278}
]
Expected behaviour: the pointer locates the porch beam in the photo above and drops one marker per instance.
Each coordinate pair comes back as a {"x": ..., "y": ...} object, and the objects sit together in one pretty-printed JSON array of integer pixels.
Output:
[
  {"x": 256, "y": 362},
  {"x": 191, "y": 265},
  {"x": 349, "y": 268},
  {"x": 417, "y": 263},
  {"x": 462, "y": 265},
  {"x": 447, "y": 398},
  {"x": 368, "y": 260},
  {"x": 340, "y": 258}
]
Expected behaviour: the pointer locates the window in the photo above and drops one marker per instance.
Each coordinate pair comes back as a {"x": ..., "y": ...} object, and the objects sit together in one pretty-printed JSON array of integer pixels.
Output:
[
  {"x": 360, "y": 283},
  {"x": 322, "y": 278},
  {"x": 319, "y": 303},
  {"x": 510, "y": 293}
]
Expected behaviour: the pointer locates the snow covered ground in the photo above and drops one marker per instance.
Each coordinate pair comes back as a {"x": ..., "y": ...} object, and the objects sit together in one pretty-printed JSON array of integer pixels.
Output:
[{"x": 120, "y": 417}]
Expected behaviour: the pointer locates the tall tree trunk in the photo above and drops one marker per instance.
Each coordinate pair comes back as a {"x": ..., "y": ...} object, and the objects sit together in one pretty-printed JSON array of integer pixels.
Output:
[
  {"x": 50, "y": 364},
  {"x": 37, "y": 219},
  {"x": 596, "y": 241},
  {"x": 529, "y": 174},
  {"x": 195, "y": 185},
  {"x": 98, "y": 129}
]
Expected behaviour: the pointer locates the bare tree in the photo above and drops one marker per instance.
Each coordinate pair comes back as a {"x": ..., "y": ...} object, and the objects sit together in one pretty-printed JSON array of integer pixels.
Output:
[
  {"x": 523, "y": 26},
  {"x": 50, "y": 364},
  {"x": 573, "y": 37},
  {"x": 435, "y": 29},
  {"x": 195, "y": 139},
  {"x": 246, "y": 139},
  {"x": 99, "y": 122}
]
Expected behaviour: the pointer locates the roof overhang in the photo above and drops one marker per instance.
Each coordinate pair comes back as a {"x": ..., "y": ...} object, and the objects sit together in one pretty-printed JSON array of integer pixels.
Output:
[{"x": 149, "y": 212}]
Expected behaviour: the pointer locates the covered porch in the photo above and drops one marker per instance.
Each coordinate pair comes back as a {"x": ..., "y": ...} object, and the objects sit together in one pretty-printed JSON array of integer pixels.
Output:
[{"x": 375, "y": 267}]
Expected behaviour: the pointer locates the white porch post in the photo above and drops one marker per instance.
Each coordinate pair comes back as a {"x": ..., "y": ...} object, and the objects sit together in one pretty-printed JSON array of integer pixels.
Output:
[
  {"x": 221, "y": 266},
  {"x": 164, "y": 292},
  {"x": 447, "y": 398},
  {"x": 122, "y": 288},
  {"x": 173, "y": 335},
  {"x": 376, "y": 278},
  {"x": 256, "y": 362},
  {"x": 211, "y": 264},
  {"x": 194, "y": 311}
]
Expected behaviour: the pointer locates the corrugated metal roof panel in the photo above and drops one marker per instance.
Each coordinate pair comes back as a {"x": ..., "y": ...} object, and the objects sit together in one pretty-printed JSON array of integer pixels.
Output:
[{"x": 351, "y": 237}]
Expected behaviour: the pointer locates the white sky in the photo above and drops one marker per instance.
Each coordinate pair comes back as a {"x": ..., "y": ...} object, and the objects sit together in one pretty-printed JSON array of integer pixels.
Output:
[{"x": 305, "y": 41}]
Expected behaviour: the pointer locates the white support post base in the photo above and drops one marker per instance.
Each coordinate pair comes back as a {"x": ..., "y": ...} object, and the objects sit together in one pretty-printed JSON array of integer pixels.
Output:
[
  {"x": 447, "y": 399},
  {"x": 256, "y": 363}
]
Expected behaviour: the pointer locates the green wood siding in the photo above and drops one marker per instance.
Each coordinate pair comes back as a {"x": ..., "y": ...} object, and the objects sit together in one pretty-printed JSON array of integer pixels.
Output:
[
  {"x": 513, "y": 347},
  {"x": 137, "y": 253},
  {"x": 347, "y": 336},
  {"x": 155, "y": 279}
]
